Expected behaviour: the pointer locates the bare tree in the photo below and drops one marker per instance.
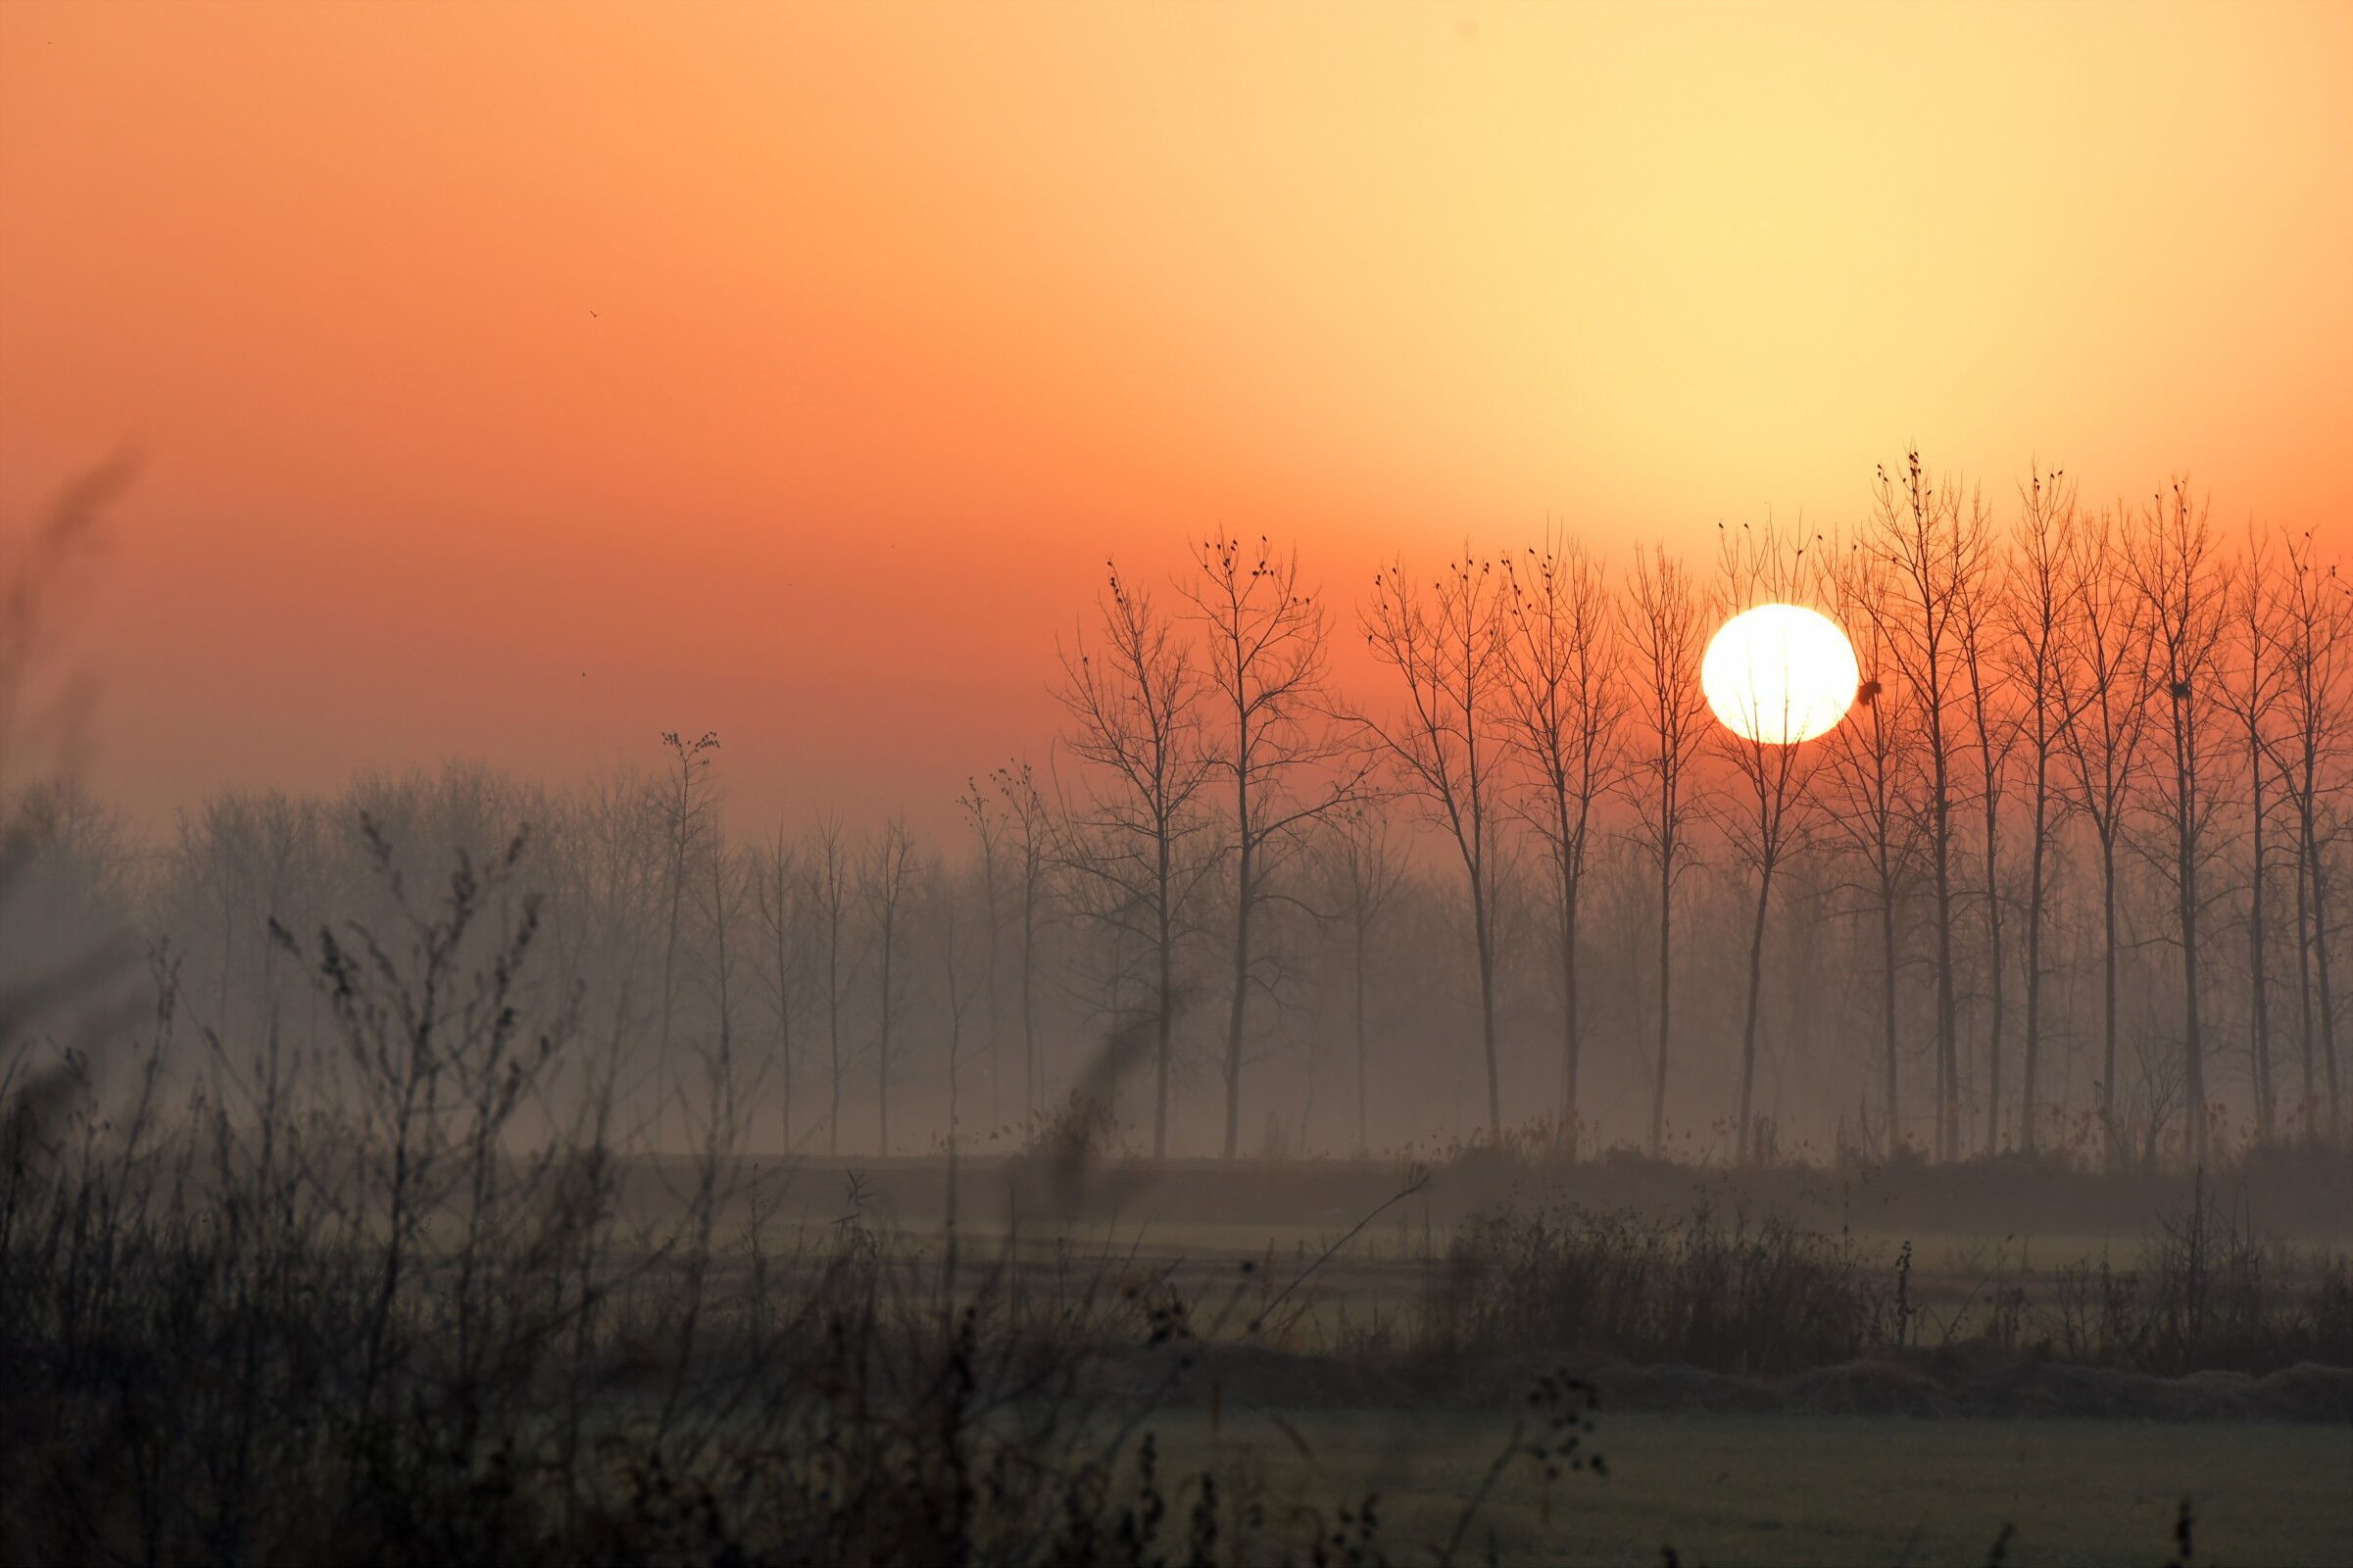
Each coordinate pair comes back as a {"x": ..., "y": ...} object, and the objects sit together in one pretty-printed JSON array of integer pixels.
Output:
[
  {"x": 1446, "y": 642},
  {"x": 889, "y": 876},
  {"x": 2040, "y": 617},
  {"x": 1870, "y": 763},
  {"x": 781, "y": 900},
  {"x": 1937, "y": 540},
  {"x": 2183, "y": 589},
  {"x": 1994, "y": 727},
  {"x": 1664, "y": 638},
  {"x": 689, "y": 807},
  {"x": 1033, "y": 830},
  {"x": 962, "y": 947},
  {"x": 980, "y": 810},
  {"x": 1266, "y": 665},
  {"x": 1135, "y": 694},
  {"x": 2103, "y": 682},
  {"x": 2252, "y": 692},
  {"x": 2314, "y": 647},
  {"x": 1564, "y": 711},
  {"x": 1763, "y": 815},
  {"x": 724, "y": 890},
  {"x": 1364, "y": 867},
  {"x": 622, "y": 880},
  {"x": 829, "y": 875}
]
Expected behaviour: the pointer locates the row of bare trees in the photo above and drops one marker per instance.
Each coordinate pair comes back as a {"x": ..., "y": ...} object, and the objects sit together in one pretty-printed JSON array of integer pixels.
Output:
[
  {"x": 2070, "y": 682},
  {"x": 2118, "y": 678},
  {"x": 2062, "y": 878}
]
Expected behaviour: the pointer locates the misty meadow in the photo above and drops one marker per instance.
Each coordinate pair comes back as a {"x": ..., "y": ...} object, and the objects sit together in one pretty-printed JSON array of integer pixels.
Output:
[{"x": 1030, "y": 786}]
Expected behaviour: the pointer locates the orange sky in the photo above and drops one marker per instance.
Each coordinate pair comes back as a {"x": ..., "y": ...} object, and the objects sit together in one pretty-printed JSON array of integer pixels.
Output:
[{"x": 908, "y": 315}]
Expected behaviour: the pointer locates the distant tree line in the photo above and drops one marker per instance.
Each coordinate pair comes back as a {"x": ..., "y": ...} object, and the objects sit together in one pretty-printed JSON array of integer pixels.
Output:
[{"x": 2063, "y": 882}]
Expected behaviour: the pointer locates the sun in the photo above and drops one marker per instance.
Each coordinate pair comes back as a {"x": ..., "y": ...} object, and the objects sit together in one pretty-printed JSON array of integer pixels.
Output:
[{"x": 1780, "y": 674}]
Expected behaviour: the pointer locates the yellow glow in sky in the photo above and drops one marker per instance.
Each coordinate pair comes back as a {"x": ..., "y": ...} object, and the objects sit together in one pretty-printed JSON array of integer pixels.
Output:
[{"x": 743, "y": 357}]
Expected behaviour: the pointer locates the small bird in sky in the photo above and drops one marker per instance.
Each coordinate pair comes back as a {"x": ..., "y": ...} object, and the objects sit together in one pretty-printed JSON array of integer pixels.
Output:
[{"x": 595, "y": 314}]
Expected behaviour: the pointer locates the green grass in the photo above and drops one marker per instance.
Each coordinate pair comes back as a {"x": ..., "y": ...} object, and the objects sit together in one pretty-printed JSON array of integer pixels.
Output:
[{"x": 1783, "y": 1489}]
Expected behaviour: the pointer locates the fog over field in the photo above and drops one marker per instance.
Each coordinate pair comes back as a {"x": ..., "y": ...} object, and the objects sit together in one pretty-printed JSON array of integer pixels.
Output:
[{"x": 2061, "y": 882}]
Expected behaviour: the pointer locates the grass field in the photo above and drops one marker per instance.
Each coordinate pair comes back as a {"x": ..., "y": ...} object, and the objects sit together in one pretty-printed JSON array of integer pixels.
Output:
[
  {"x": 1965, "y": 1235},
  {"x": 595, "y": 1360},
  {"x": 1730, "y": 1489},
  {"x": 1391, "y": 1269}
]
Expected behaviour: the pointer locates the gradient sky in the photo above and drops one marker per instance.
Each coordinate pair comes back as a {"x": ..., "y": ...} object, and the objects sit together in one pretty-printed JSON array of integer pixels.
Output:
[{"x": 906, "y": 316}]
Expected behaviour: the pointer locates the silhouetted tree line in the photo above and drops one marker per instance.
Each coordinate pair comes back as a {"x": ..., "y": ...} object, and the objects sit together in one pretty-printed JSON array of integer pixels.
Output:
[{"x": 2062, "y": 882}]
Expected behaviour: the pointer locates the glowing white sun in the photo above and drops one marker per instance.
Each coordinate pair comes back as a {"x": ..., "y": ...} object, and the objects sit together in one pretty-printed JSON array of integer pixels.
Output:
[{"x": 1780, "y": 674}]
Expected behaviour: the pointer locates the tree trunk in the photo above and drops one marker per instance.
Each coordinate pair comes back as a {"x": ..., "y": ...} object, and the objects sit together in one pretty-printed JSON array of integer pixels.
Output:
[
  {"x": 1756, "y": 979},
  {"x": 1569, "y": 1030},
  {"x": 1031, "y": 1104},
  {"x": 2032, "y": 1044},
  {"x": 1164, "y": 997},
  {"x": 1363, "y": 1141},
  {"x": 990, "y": 972},
  {"x": 882, "y": 1051},
  {"x": 1887, "y": 947},
  {"x": 1948, "y": 1073},
  {"x": 956, "y": 1032},
  {"x": 669, "y": 964},
  {"x": 719, "y": 925},
  {"x": 1666, "y": 993},
  {"x": 2108, "y": 988},
  {"x": 784, "y": 1016},
  {"x": 1236, "y": 1018},
  {"x": 2193, "y": 1043},
  {"x": 2257, "y": 959},
  {"x": 2312, "y": 1091},
  {"x": 833, "y": 1027},
  {"x": 1487, "y": 1009},
  {"x": 2320, "y": 958},
  {"x": 1994, "y": 939}
]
